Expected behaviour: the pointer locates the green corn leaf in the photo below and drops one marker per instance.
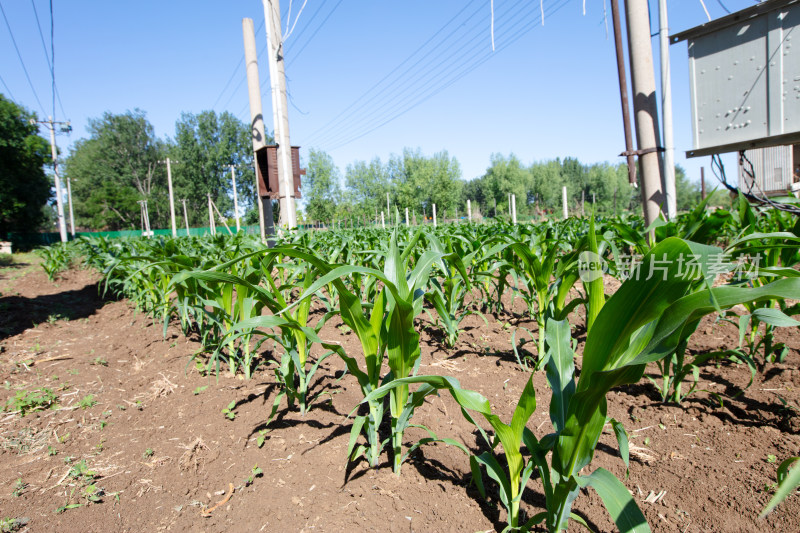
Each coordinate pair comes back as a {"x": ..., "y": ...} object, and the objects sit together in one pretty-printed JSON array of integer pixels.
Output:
[
  {"x": 560, "y": 370},
  {"x": 774, "y": 317},
  {"x": 617, "y": 500},
  {"x": 789, "y": 482}
]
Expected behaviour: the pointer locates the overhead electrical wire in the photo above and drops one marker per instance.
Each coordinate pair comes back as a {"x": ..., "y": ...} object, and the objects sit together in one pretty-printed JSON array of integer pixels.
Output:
[
  {"x": 289, "y": 51},
  {"x": 21, "y": 62},
  {"x": 429, "y": 78},
  {"x": 7, "y": 89}
]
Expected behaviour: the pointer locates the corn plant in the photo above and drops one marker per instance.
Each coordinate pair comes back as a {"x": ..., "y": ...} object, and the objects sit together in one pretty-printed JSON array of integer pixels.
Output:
[{"x": 641, "y": 323}]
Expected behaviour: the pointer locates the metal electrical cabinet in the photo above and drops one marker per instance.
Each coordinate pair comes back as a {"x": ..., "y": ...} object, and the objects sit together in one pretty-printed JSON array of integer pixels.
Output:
[
  {"x": 744, "y": 72},
  {"x": 267, "y": 171}
]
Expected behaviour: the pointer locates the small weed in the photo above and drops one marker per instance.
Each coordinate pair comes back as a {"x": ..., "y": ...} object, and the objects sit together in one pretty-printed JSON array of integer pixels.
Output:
[
  {"x": 87, "y": 402},
  {"x": 63, "y": 438},
  {"x": 647, "y": 441},
  {"x": 73, "y": 371},
  {"x": 103, "y": 424},
  {"x": 99, "y": 361},
  {"x": 68, "y": 459},
  {"x": 55, "y": 317},
  {"x": 262, "y": 436},
  {"x": 51, "y": 451},
  {"x": 8, "y": 525},
  {"x": 771, "y": 458},
  {"x": 148, "y": 453},
  {"x": 121, "y": 407},
  {"x": 19, "y": 487},
  {"x": 26, "y": 401},
  {"x": 198, "y": 390},
  {"x": 229, "y": 411},
  {"x": 254, "y": 473}
]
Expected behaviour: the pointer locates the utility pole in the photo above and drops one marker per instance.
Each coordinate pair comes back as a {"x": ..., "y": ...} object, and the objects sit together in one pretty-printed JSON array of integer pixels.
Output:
[
  {"x": 71, "y": 214},
  {"x": 668, "y": 176},
  {"x": 564, "y": 209},
  {"x": 702, "y": 183},
  {"x": 272, "y": 14},
  {"x": 469, "y": 211},
  {"x": 172, "y": 202},
  {"x": 434, "y": 215},
  {"x": 235, "y": 199},
  {"x": 644, "y": 105},
  {"x": 185, "y": 216},
  {"x": 623, "y": 92},
  {"x": 387, "y": 209},
  {"x": 62, "y": 225},
  {"x": 406, "y": 217},
  {"x": 256, "y": 122},
  {"x": 514, "y": 209},
  {"x": 211, "y": 224}
]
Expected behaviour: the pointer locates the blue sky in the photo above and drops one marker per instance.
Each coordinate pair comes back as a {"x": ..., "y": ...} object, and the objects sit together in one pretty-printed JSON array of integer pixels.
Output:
[{"x": 546, "y": 91}]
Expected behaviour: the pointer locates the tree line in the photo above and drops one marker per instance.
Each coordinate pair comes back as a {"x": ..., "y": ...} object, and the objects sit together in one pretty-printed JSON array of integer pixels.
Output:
[
  {"x": 122, "y": 162},
  {"x": 415, "y": 181}
]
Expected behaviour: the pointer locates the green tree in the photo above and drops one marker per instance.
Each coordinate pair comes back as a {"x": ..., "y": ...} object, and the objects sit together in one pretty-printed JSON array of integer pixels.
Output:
[
  {"x": 419, "y": 181},
  {"x": 367, "y": 185},
  {"x": 24, "y": 186},
  {"x": 204, "y": 148},
  {"x": 687, "y": 193},
  {"x": 321, "y": 191},
  {"x": 505, "y": 175},
  {"x": 116, "y": 167}
]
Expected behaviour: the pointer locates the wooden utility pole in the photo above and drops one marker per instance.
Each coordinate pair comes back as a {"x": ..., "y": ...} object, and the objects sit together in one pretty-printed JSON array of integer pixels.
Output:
[
  {"x": 172, "y": 201},
  {"x": 272, "y": 14},
  {"x": 702, "y": 183},
  {"x": 644, "y": 106},
  {"x": 256, "y": 123}
]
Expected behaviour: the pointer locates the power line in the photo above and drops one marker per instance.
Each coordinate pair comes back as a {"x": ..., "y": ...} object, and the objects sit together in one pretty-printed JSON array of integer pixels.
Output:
[
  {"x": 446, "y": 62},
  {"x": 420, "y": 95},
  {"x": 314, "y": 34},
  {"x": 7, "y": 89},
  {"x": 360, "y": 100},
  {"x": 19, "y": 55}
]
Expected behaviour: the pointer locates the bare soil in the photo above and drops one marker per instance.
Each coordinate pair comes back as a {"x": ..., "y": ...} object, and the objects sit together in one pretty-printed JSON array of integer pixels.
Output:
[{"x": 153, "y": 432}]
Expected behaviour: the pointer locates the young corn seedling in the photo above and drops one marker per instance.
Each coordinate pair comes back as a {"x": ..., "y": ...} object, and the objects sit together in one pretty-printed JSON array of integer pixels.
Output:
[{"x": 641, "y": 323}]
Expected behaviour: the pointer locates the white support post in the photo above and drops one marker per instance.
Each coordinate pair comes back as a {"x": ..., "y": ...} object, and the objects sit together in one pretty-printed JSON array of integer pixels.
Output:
[
  {"x": 71, "y": 213},
  {"x": 172, "y": 201},
  {"x": 185, "y": 217},
  {"x": 434, "y": 215},
  {"x": 383, "y": 221},
  {"x": 235, "y": 200},
  {"x": 469, "y": 210},
  {"x": 564, "y": 202},
  {"x": 514, "y": 209},
  {"x": 211, "y": 224},
  {"x": 406, "y": 217}
]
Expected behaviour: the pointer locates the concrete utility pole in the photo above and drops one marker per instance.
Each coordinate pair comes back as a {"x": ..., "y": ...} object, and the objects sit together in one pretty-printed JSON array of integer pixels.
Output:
[
  {"x": 235, "y": 199},
  {"x": 172, "y": 202},
  {"x": 62, "y": 225},
  {"x": 623, "y": 92},
  {"x": 71, "y": 214},
  {"x": 272, "y": 14},
  {"x": 185, "y": 216},
  {"x": 564, "y": 209},
  {"x": 383, "y": 221},
  {"x": 406, "y": 217},
  {"x": 644, "y": 106},
  {"x": 256, "y": 121},
  {"x": 668, "y": 180},
  {"x": 211, "y": 224},
  {"x": 434, "y": 215},
  {"x": 469, "y": 211}
]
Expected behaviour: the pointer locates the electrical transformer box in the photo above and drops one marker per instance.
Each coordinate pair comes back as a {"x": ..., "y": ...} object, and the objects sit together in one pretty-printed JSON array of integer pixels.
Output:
[{"x": 744, "y": 74}]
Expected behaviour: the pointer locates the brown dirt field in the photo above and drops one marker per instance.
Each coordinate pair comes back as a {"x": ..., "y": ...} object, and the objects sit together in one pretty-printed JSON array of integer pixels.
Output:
[{"x": 162, "y": 449}]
